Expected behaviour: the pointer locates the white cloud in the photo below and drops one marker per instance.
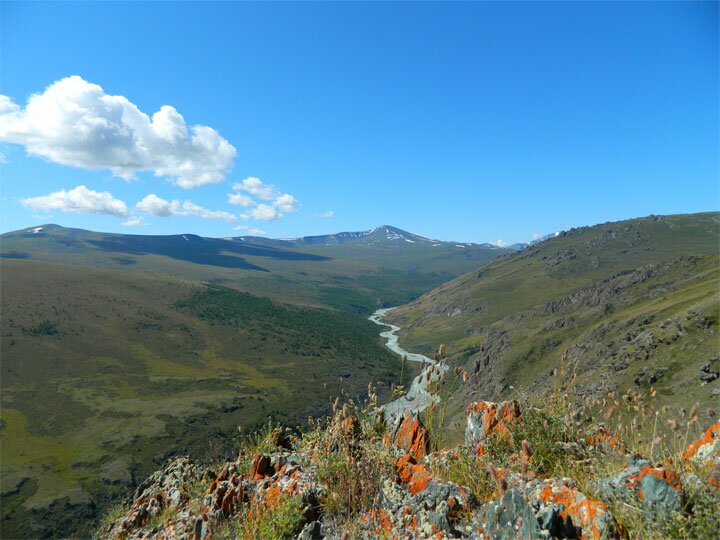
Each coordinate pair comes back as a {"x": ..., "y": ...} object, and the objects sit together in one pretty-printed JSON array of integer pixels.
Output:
[
  {"x": 537, "y": 235},
  {"x": 240, "y": 199},
  {"x": 281, "y": 203},
  {"x": 133, "y": 222},
  {"x": 79, "y": 200},
  {"x": 190, "y": 209},
  {"x": 286, "y": 203},
  {"x": 327, "y": 214},
  {"x": 501, "y": 243},
  {"x": 74, "y": 122},
  {"x": 255, "y": 186},
  {"x": 262, "y": 212},
  {"x": 152, "y": 204},
  {"x": 250, "y": 230}
]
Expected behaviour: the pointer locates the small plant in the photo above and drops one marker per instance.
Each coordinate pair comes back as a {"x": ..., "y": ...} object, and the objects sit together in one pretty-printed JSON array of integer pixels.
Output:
[
  {"x": 115, "y": 512},
  {"x": 283, "y": 520},
  {"x": 45, "y": 328}
]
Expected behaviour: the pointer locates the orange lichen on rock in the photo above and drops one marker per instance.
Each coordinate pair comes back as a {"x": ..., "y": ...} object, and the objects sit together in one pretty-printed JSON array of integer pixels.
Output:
[
  {"x": 587, "y": 514},
  {"x": 713, "y": 479},
  {"x": 412, "y": 437},
  {"x": 381, "y": 518},
  {"x": 603, "y": 437},
  {"x": 669, "y": 477},
  {"x": 496, "y": 418},
  {"x": 260, "y": 467},
  {"x": 706, "y": 446},
  {"x": 415, "y": 476}
]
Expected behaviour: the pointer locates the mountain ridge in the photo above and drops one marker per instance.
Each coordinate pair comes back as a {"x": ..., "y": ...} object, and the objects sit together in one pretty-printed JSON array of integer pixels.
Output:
[{"x": 361, "y": 272}]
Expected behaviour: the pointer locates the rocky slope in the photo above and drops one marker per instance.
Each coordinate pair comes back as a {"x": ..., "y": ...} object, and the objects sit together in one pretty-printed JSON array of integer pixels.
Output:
[
  {"x": 635, "y": 302},
  {"x": 521, "y": 472}
]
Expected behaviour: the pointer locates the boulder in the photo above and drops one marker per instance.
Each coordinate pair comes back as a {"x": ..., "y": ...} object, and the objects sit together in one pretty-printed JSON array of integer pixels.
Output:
[
  {"x": 409, "y": 434},
  {"x": 706, "y": 448},
  {"x": 485, "y": 418},
  {"x": 417, "y": 505},
  {"x": 656, "y": 489},
  {"x": 553, "y": 508},
  {"x": 508, "y": 518}
]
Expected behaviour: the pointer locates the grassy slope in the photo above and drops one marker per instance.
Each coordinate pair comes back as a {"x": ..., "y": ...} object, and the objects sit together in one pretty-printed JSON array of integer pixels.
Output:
[
  {"x": 349, "y": 276},
  {"x": 105, "y": 373},
  {"x": 509, "y": 322}
]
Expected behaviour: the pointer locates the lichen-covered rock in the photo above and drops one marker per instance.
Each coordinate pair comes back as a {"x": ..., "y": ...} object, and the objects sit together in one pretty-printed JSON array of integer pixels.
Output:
[
  {"x": 163, "y": 490},
  {"x": 564, "y": 511},
  {"x": 163, "y": 507},
  {"x": 417, "y": 505},
  {"x": 706, "y": 448},
  {"x": 409, "y": 434},
  {"x": 552, "y": 508},
  {"x": 508, "y": 518},
  {"x": 657, "y": 489},
  {"x": 485, "y": 418},
  {"x": 603, "y": 440}
]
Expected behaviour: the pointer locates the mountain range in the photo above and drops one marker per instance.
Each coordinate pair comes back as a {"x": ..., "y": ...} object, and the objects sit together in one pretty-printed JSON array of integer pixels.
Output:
[{"x": 351, "y": 271}]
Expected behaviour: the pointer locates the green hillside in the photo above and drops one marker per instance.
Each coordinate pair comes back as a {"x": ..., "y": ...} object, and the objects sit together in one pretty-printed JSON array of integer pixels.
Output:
[
  {"x": 633, "y": 301},
  {"x": 367, "y": 271},
  {"x": 106, "y": 373}
]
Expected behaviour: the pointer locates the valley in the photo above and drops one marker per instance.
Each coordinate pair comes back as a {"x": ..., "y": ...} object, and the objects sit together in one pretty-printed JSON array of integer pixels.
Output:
[{"x": 106, "y": 373}]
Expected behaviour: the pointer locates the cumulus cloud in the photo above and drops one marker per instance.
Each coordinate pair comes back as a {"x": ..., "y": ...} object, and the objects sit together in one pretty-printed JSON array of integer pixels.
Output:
[
  {"x": 279, "y": 203},
  {"x": 250, "y": 230},
  {"x": 156, "y": 206},
  {"x": 262, "y": 212},
  {"x": 240, "y": 199},
  {"x": 286, "y": 203},
  {"x": 327, "y": 214},
  {"x": 79, "y": 200},
  {"x": 133, "y": 222},
  {"x": 74, "y": 122},
  {"x": 501, "y": 243},
  {"x": 255, "y": 186},
  {"x": 537, "y": 235}
]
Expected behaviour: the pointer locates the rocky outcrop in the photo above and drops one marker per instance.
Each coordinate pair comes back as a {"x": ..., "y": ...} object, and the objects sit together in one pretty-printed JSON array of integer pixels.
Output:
[
  {"x": 417, "y": 498},
  {"x": 706, "y": 448},
  {"x": 656, "y": 489},
  {"x": 170, "y": 505},
  {"x": 485, "y": 418},
  {"x": 410, "y": 436}
]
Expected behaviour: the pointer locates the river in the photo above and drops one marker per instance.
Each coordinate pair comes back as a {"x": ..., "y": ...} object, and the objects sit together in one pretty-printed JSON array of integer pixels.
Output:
[{"x": 417, "y": 397}]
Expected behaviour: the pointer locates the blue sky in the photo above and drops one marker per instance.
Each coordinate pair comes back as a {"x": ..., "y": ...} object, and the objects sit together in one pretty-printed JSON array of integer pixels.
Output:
[{"x": 465, "y": 121}]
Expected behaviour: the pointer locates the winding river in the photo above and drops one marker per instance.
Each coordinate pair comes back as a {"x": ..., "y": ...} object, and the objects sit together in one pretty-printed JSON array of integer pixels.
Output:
[{"x": 417, "y": 397}]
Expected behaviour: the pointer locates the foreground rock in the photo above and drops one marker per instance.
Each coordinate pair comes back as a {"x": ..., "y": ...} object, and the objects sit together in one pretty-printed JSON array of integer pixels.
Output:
[
  {"x": 549, "y": 508},
  {"x": 172, "y": 504},
  {"x": 415, "y": 497},
  {"x": 485, "y": 418}
]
